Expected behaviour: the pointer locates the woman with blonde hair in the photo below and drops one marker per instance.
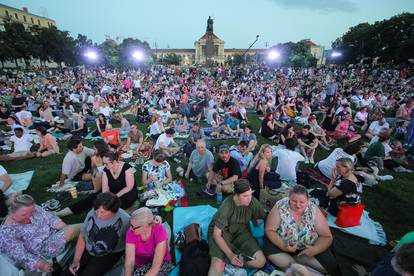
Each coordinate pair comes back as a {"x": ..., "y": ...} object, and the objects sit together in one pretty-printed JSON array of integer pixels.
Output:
[
  {"x": 30, "y": 235},
  {"x": 259, "y": 171},
  {"x": 147, "y": 251}
]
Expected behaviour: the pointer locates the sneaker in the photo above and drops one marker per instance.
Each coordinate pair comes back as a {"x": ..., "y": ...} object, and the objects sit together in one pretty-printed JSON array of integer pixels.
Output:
[
  {"x": 385, "y": 177},
  {"x": 311, "y": 161},
  {"x": 402, "y": 169},
  {"x": 306, "y": 160},
  {"x": 210, "y": 192}
]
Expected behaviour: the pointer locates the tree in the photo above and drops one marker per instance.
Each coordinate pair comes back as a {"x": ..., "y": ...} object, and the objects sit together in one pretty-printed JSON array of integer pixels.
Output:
[
  {"x": 294, "y": 54},
  {"x": 15, "y": 39},
  {"x": 57, "y": 46},
  {"x": 389, "y": 40},
  {"x": 82, "y": 44},
  {"x": 172, "y": 58},
  {"x": 6, "y": 52},
  {"x": 110, "y": 50},
  {"x": 128, "y": 46}
]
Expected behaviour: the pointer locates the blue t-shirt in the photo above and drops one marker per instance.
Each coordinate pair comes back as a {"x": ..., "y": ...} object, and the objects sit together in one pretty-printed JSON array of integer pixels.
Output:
[{"x": 232, "y": 123}]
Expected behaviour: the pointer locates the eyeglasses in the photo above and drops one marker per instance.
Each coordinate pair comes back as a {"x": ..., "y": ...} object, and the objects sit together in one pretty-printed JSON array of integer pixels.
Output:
[
  {"x": 133, "y": 228},
  {"x": 106, "y": 164}
]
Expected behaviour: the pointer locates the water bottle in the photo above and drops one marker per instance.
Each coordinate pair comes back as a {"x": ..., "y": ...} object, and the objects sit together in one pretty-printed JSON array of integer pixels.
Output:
[{"x": 219, "y": 197}]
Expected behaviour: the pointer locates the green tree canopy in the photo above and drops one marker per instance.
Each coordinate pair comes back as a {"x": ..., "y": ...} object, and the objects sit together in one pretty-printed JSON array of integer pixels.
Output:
[
  {"x": 172, "y": 59},
  {"x": 389, "y": 40}
]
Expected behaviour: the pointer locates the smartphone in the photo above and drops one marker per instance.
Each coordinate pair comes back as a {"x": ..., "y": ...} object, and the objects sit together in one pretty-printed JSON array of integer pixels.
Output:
[{"x": 248, "y": 258}]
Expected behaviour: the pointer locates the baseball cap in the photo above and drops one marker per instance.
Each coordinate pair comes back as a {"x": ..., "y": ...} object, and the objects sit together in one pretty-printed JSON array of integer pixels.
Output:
[{"x": 224, "y": 148}]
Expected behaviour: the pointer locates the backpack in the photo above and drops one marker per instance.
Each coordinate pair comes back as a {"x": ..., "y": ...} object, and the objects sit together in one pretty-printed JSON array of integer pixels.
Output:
[{"x": 195, "y": 259}]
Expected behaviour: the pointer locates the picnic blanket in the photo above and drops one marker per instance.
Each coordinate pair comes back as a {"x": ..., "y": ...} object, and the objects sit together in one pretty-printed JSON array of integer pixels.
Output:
[
  {"x": 202, "y": 214},
  {"x": 57, "y": 134},
  {"x": 169, "y": 192},
  {"x": 350, "y": 250},
  {"x": 20, "y": 182},
  {"x": 221, "y": 137},
  {"x": 181, "y": 136},
  {"x": 369, "y": 229},
  {"x": 56, "y": 188},
  {"x": 183, "y": 216}
]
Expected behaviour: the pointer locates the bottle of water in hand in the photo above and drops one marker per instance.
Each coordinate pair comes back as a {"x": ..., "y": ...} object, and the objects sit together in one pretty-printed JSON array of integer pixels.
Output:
[{"x": 219, "y": 195}]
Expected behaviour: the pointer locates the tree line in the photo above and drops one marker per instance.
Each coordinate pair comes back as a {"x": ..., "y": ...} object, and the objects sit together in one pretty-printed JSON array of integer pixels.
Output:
[
  {"x": 390, "y": 40},
  {"x": 51, "y": 44},
  {"x": 386, "y": 41}
]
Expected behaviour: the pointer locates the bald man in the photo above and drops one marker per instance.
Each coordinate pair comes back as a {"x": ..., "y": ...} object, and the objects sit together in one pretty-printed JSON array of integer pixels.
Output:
[{"x": 201, "y": 161}]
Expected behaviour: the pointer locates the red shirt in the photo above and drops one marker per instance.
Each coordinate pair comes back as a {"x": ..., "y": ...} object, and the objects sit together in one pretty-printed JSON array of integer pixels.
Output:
[{"x": 112, "y": 136}]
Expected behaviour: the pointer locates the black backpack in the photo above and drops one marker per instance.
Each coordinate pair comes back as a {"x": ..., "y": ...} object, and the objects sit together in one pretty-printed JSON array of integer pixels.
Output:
[{"x": 195, "y": 259}]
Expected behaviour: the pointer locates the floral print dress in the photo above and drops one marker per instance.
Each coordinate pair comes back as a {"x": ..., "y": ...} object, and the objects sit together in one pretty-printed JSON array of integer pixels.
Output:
[
  {"x": 304, "y": 234},
  {"x": 25, "y": 244}
]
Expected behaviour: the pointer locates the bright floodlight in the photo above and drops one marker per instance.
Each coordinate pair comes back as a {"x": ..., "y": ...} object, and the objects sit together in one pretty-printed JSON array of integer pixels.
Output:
[
  {"x": 273, "y": 55},
  {"x": 91, "y": 55},
  {"x": 336, "y": 54},
  {"x": 138, "y": 55}
]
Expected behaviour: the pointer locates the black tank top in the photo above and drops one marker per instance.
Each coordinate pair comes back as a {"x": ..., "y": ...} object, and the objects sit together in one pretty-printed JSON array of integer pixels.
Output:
[{"x": 115, "y": 185}]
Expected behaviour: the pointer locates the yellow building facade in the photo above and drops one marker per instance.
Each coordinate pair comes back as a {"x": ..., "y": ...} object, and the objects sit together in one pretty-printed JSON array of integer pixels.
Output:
[{"x": 24, "y": 16}]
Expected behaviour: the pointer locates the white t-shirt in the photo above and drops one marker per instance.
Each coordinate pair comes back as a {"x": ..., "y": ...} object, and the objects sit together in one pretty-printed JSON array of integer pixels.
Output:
[
  {"x": 90, "y": 99},
  {"x": 360, "y": 117},
  {"x": 106, "y": 111},
  {"x": 155, "y": 128},
  {"x": 23, "y": 115},
  {"x": 2, "y": 172},
  {"x": 209, "y": 116},
  {"x": 165, "y": 140},
  {"x": 375, "y": 128},
  {"x": 137, "y": 83},
  {"x": 287, "y": 163},
  {"x": 326, "y": 165},
  {"x": 365, "y": 102},
  {"x": 74, "y": 163},
  {"x": 243, "y": 112},
  {"x": 164, "y": 115},
  {"x": 23, "y": 143}
]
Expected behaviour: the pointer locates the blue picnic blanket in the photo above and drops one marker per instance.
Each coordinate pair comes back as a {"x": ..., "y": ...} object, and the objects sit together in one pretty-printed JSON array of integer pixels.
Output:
[
  {"x": 202, "y": 214},
  {"x": 368, "y": 229},
  {"x": 20, "y": 182}
]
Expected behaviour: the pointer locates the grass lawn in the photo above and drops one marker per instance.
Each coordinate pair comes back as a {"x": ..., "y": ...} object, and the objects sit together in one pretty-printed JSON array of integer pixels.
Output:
[{"x": 391, "y": 203}]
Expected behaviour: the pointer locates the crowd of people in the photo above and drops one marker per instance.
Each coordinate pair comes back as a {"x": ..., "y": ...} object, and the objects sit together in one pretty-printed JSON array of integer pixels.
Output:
[{"x": 361, "y": 118}]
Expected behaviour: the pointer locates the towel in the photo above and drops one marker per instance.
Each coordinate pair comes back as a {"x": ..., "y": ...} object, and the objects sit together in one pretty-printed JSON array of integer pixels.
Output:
[{"x": 20, "y": 182}]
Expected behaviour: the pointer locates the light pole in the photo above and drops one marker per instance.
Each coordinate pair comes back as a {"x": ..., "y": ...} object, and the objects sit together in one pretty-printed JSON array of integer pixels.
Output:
[{"x": 251, "y": 45}]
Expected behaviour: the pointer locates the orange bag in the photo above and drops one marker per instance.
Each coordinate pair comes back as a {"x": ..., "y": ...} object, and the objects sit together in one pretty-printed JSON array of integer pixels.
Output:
[{"x": 349, "y": 215}]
